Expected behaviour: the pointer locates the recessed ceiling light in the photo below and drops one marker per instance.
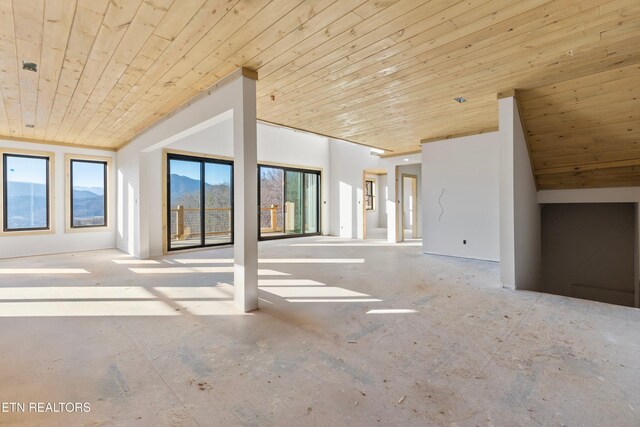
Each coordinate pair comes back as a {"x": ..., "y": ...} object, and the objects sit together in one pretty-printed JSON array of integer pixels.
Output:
[
  {"x": 406, "y": 160},
  {"x": 459, "y": 99},
  {"x": 377, "y": 151},
  {"x": 30, "y": 66}
]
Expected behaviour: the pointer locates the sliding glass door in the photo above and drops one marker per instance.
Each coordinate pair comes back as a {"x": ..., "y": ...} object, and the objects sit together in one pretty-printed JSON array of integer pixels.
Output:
[
  {"x": 289, "y": 202},
  {"x": 199, "y": 202}
]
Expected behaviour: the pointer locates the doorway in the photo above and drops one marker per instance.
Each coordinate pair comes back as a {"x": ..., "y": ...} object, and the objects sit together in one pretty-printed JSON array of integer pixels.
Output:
[
  {"x": 374, "y": 207},
  {"x": 289, "y": 201},
  {"x": 409, "y": 207}
]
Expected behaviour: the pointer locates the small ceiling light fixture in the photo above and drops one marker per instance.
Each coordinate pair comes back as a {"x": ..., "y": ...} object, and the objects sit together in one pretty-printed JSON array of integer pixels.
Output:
[
  {"x": 406, "y": 160},
  {"x": 459, "y": 99},
  {"x": 376, "y": 151},
  {"x": 30, "y": 66}
]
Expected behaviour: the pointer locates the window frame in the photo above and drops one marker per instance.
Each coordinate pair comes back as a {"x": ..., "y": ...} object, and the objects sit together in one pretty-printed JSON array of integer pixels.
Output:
[
  {"x": 368, "y": 196},
  {"x": 169, "y": 155},
  {"x": 104, "y": 195},
  {"x": 50, "y": 191},
  {"x": 304, "y": 171},
  {"x": 69, "y": 227}
]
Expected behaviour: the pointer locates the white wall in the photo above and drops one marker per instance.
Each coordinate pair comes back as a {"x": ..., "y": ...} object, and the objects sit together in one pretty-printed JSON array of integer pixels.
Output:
[
  {"x": 62, "y": 241},
  {"x": 347, "y": 162},
  {"x": 275, "y": 145},
  {"x": 520, "y": 247},
  {"x": 460, "y": 193}
]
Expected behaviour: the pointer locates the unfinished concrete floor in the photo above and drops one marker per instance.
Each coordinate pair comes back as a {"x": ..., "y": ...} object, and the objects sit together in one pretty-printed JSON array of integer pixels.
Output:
[{"x": 157, "y": 342}]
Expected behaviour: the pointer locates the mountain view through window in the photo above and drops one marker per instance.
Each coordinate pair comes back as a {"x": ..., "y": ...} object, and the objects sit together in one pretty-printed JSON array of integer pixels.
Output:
[{"x": 26, "y": 185}]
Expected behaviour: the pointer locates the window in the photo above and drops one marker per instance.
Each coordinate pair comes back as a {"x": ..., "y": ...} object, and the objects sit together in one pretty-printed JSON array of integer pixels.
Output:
[
  {"x": 369, "y": 195},
  {"x": 88, "y": 184},
  {"x": 289, "y": 202},
  {"x": 199, "y": 202},
  {"x": 25, "y": 191}
]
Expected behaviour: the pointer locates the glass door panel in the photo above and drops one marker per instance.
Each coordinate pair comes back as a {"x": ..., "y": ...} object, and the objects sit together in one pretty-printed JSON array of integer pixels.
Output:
[
  {"x": 271, "y": 201},
  {"x": 293, "y": 202},
  {"x": 217, "y": 203},
  {"x": 184, "y": 198},
  {"x": 289, "y": 202},
  {"x": 311, "y": 203}
]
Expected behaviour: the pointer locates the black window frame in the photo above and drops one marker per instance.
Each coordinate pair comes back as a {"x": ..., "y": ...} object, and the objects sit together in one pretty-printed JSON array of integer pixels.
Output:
[
  {"x": 5, "y": 200},
  {"x": 318, "y": 204},
  {"x": 369, "y": 195},
  {"x": 105, "y": 198},
  {"x": 203, "y": 161}
]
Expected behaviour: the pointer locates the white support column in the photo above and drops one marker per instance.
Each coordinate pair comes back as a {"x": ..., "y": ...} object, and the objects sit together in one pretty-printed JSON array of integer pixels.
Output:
[
  {"x": 520, "y": 228},
  {"x": 507, "y": 228},
  {"x": 245, "y": 198}
]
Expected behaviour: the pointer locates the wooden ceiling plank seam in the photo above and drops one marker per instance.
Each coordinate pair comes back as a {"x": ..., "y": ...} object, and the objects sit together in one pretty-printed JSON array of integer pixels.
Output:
[
  {"x": 368, "y": 33},
  {"x": 223, "y": 61},
  {"x": 589, "y": 166},
  {"x": 134, "y": 38},
  {"x": 298, "y": 87},
  {"x": 382, "y": 84},
  {"x": 175, "y": 20},
  {"x": 430, "y": 88},
  {"x": 88, "y": 121},
  {"x": 156, "y": 46},
  {"x": 213, "y": 40},
  {"x": 116, "y": 22},
  {"x": 602, "y": 109},
  {"x": 159, "y": 67},
  {"x": 246, "y": 56},
  {"x": 579, "y": 138},
  {"x": 588, "y": 81},
  {"x": 372, "y": 8},
  {"x": 401, "y": 122},
  {"x": 81, "y": 38},
  {"x": 414, "y": 47},
  {"x": 29, "y": 24},
  {"x": 248, "y": 19},
  {"x": 569, "y": 107},
  {"x": 576, "y": 96},
  {"x": 9, "y": 80},
  {"x": 371, "y": 29},
  {"x": 55, "y": 37},
  {"x": 196, "y": 29},
  {"x": 333, "y": 88},
  {"x": 562, "y": 130}
]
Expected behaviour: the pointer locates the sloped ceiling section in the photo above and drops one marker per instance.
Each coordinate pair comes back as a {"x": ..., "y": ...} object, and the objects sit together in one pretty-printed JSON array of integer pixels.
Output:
[{"x": 585, "y": 132}]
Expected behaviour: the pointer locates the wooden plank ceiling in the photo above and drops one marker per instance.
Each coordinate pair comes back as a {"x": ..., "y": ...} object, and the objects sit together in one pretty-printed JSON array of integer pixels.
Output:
[
  {"x": 378, "y": 72},
  {"x": 585, "y": 132}
]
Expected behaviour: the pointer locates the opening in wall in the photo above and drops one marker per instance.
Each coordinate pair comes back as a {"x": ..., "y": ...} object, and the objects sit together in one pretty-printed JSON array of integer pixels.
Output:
[{"x": 199, "y": 202}]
